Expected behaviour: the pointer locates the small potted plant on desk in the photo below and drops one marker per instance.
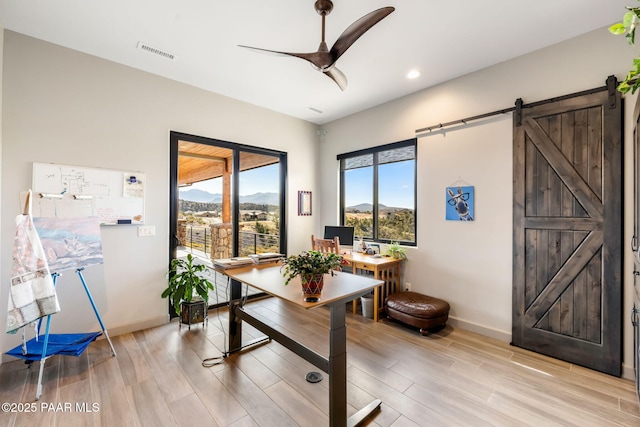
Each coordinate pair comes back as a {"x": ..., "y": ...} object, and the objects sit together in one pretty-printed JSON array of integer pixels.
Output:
[
  {"x": 188, "y": 292},
  {"x": 395, "y": 251},
  {"x": 311, "y": 266}
]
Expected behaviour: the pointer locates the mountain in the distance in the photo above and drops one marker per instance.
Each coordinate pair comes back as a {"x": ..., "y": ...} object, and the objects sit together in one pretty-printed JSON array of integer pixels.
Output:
[
  {"x": 362, "y": 207},
  {"x": 368, "y": 207},
  {"x": 261, "y": 198},
  {"x": 202, "y": 196},
  {"x": 195, "y": 195}
]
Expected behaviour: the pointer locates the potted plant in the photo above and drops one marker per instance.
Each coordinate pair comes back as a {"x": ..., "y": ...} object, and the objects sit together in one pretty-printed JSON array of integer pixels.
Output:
[
  {"x": 311, "y": 266},
  {"x": 188, "y": 291},
  {"x": 394, "y": 250},
  {"x": 630, "y": 20}
]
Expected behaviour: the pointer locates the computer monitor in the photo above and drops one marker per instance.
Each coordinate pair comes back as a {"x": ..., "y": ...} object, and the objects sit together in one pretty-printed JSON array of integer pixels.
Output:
[{"x": 345, "y": 234}]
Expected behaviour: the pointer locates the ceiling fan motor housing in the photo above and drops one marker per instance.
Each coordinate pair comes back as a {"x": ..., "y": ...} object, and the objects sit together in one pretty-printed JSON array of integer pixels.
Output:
[{"x": 324, "y": 7}]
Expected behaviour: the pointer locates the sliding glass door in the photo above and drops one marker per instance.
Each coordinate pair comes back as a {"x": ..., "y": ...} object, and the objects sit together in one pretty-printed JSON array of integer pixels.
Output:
[
  {"x": 227, "y": 200},
  {"x": 259, "y": 204}
]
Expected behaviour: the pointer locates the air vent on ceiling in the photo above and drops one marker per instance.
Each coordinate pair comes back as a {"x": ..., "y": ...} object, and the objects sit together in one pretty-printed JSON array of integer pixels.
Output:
[
  {"x": 316, "y": 110},
  {"x": 151, "y": 49}
]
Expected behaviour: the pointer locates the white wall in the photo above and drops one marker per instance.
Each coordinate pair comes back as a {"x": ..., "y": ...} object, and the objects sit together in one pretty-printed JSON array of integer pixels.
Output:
[
  {"x": 62, "y": 106},
  {"x": 470, "y": 264}
]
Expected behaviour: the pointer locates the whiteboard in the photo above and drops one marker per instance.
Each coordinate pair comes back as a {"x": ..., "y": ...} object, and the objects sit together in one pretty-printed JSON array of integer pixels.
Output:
[{"x": 114, "y": 196}]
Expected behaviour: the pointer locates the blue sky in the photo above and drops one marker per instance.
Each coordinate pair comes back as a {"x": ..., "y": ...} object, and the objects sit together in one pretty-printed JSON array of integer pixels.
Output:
[
  {"x": 259, "y": 180},
  {"x": 395, "y": 185}
]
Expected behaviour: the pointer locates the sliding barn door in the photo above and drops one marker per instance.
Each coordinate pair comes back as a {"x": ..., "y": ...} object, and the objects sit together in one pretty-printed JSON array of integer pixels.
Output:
[{"x": 567, "y": 224}]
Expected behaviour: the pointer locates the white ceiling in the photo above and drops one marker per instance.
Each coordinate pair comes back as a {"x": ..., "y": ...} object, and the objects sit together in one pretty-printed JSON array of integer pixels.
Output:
[{"x": 442, "y": 39}]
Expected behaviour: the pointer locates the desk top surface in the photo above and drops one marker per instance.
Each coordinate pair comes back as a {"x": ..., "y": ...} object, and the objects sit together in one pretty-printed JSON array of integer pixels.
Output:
[
  {"x": 341, "y": 287},
  {"x": 359, "y": 257}
]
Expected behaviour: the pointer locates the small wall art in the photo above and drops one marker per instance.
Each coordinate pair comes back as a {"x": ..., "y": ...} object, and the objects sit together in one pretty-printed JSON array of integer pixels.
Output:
[
  {"x": 304, "y": 203},
  {"x": 460, "y": 203}
]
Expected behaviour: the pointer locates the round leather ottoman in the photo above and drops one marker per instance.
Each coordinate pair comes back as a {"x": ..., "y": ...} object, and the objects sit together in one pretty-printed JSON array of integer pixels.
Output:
[{"x": 421, "y": 311}]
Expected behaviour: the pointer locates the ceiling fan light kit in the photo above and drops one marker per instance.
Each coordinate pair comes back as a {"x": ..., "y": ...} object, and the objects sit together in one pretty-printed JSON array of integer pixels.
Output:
[{"x": 324, "y": 59}]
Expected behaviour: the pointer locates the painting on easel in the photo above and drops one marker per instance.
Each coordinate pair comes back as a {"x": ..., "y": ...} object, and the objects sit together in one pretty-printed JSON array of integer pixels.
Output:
[{"x": 70, "y": 243}]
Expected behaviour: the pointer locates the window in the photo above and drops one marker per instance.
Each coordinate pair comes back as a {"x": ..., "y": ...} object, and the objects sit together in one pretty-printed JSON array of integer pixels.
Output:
[{"x": 378, "y": 192}]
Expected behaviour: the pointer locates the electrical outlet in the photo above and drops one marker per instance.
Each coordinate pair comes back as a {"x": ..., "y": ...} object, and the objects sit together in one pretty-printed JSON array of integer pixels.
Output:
[{"x": 407, "y": 286}]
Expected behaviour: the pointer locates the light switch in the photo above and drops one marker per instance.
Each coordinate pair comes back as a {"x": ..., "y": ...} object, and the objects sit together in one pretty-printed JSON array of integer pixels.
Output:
[{"x": 146, "y": 230}]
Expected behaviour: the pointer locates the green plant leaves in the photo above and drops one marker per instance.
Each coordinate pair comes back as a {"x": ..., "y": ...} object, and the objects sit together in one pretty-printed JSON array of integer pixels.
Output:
[
  {"x": 310, "y": 262},
  {"x": 617, "y": 29},
  {"x": 630, "y": 21},
  {"x": 185, "y": 282}
]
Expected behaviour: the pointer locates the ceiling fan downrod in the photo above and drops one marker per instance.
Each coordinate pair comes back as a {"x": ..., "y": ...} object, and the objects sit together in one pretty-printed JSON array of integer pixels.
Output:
[{"x": 323, "y": 7}]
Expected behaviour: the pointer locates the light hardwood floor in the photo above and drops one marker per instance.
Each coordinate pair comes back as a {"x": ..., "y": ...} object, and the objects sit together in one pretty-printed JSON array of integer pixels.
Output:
[{"x": 452, "y": 378}]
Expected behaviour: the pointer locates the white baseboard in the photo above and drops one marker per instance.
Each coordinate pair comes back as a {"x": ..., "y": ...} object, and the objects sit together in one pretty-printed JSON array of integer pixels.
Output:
[
  {"x": 480, "y": 329},
  {"x": 113, "y": 332},
  {"x": 134, "y": 327},
  {"x": 627, "y": 370}
]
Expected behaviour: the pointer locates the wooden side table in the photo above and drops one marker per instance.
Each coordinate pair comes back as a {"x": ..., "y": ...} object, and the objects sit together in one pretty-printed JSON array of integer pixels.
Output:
[{"x": 383, "y": 268}]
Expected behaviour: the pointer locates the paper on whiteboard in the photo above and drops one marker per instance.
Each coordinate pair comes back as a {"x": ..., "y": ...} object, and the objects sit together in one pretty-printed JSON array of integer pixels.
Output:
[{"x": 115, "y": 197}]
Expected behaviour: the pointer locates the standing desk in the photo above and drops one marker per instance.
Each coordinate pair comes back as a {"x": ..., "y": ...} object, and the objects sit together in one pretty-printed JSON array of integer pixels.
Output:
[
  {"x": 338, "y": 290},
  {"x": 383, "y": 268}
]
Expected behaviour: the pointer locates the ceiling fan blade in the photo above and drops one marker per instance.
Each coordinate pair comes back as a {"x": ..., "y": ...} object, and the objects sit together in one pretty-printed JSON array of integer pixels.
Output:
[
  {"x": 338, "y": 77},
  {"x": 267, "y": 51},
  {"x": 315, "y": 58},
  {"x": 357, "y": 29}
]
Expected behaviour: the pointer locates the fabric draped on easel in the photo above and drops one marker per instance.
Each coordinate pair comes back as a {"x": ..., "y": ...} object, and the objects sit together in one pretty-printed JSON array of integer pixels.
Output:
[{"x": 32, "y": 294}]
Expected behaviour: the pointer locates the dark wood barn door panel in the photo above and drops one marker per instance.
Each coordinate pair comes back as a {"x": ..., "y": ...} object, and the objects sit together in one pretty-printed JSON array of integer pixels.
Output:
[{"x": 567, "y": 224}]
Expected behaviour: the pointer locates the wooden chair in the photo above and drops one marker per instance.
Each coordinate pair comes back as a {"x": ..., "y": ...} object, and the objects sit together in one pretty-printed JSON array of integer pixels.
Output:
[{"x": 326, "y": 245}]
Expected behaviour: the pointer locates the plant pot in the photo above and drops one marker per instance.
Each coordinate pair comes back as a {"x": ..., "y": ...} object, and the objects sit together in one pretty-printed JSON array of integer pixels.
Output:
[
  {"x": 193, "y": 312},
  {"x": 312, "y": 285}
]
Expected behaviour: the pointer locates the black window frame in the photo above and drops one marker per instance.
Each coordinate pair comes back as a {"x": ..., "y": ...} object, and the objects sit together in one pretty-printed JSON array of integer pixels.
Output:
[{"x": 375, "y": 151}]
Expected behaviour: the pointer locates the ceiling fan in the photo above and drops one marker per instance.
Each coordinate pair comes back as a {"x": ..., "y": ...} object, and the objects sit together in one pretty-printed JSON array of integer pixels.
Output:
[{"x": 323, "y": 59}]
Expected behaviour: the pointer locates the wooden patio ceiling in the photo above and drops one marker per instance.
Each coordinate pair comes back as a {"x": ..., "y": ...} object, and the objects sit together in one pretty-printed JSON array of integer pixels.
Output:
[{"x": 201, "y": 162}]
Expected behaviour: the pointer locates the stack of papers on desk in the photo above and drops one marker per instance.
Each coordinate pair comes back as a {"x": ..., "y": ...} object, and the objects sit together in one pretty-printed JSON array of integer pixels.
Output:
[
  {"x": 225, "y": 263},
  {"x": 266, "y": 258}
]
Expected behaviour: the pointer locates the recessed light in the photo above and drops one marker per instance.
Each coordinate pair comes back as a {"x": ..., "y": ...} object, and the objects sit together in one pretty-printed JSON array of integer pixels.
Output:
[{"x": 413, "y": 74}]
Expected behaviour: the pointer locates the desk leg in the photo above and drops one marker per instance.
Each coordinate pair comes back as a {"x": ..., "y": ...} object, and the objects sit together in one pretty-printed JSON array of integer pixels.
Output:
[
  {"x": 235, "y": 325},
  {"x": 338, "y": 366},
  {"x": 338, "y": 374}
]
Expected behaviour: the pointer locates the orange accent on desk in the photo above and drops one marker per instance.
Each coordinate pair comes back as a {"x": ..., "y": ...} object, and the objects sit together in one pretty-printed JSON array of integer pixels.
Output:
[{"x": 383, "y": 268}]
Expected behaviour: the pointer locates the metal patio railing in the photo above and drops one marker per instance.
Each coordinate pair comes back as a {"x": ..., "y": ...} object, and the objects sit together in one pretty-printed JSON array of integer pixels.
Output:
[{"x": 198, "y": 238}]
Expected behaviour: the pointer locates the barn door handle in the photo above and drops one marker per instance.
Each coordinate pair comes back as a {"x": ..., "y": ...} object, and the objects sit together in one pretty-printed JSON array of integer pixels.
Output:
[
  {"x": 634, "y": 310},
  {"x": 634, "y": 243}
]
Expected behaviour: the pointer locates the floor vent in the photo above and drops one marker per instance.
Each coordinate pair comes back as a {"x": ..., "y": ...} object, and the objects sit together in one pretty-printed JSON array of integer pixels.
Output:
[{"x": 151, "y": 49}]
